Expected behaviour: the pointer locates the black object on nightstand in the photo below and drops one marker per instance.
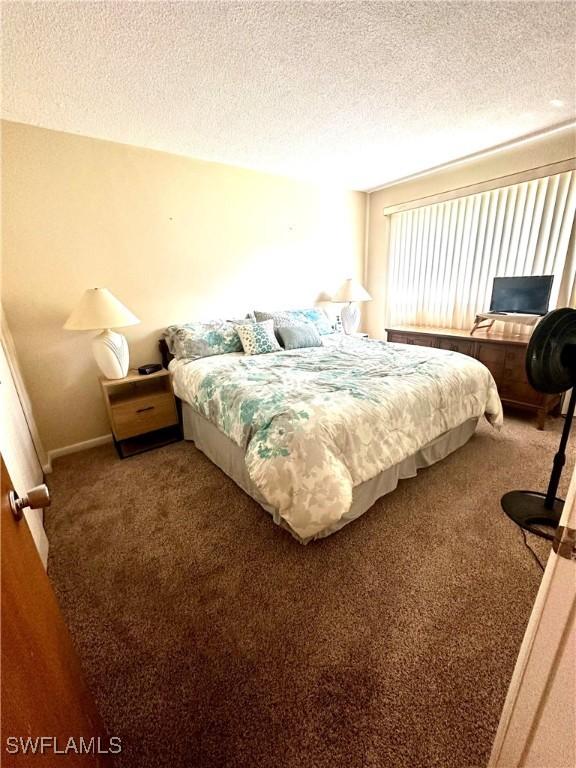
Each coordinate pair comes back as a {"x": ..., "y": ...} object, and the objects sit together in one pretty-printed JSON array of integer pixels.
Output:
[{"x": 146, "y": 370}]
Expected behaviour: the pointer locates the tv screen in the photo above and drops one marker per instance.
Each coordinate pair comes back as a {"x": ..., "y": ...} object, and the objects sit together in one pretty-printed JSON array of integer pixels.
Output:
[{"x": 526, "y": 295}]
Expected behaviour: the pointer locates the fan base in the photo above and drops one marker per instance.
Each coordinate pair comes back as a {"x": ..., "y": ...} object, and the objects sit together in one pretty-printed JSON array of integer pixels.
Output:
[{"x": 526, "y": 509}]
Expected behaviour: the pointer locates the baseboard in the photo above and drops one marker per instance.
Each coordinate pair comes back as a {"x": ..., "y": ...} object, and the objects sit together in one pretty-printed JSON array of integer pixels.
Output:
[{"x": 74, "y": 448}]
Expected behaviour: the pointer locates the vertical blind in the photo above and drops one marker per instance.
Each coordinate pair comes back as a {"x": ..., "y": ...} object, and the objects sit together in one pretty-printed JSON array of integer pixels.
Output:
[{"x": 443, "y": 257}]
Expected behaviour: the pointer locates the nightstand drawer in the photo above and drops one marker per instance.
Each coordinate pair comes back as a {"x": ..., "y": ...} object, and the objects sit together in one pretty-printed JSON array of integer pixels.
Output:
[{"x": 143, "y": 414}]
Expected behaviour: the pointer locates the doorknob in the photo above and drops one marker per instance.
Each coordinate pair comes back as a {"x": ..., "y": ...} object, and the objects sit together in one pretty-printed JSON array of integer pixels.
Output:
[{"x": 36, "y": 498}]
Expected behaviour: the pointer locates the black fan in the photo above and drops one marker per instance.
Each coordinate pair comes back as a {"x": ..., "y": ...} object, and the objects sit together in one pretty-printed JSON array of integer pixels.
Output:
[{"x": 551, "y": 368}]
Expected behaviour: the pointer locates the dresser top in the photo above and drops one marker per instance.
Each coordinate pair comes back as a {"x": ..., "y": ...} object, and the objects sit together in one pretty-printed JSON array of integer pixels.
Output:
[{"x": 482, "y": 334}]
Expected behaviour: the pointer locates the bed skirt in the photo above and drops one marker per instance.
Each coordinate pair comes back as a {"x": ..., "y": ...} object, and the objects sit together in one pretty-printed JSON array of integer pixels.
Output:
[{"x": 230, "y": 458}]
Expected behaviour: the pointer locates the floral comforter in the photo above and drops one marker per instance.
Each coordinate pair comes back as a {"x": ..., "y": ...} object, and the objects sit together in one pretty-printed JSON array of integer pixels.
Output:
[{"x": 316, "y": 422}]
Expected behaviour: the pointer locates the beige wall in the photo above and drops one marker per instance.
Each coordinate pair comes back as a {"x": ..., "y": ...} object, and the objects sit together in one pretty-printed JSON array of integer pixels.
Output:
[
  {"x": 174, "y": 238},
  {"x": 554, "y": 148}
]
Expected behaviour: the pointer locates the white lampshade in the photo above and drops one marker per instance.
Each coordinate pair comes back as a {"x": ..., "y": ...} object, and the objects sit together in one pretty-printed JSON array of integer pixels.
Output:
[
  {"x": 98, "y": 309},
  {"x": 351, "y": 290}
]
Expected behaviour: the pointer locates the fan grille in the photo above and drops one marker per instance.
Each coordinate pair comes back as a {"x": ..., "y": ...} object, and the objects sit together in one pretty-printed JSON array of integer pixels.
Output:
[{"x": 551, "y": 354}]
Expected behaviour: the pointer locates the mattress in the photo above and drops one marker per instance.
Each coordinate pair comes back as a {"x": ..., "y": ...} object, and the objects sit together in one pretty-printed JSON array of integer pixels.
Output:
[{"x": 314, "y": 425}]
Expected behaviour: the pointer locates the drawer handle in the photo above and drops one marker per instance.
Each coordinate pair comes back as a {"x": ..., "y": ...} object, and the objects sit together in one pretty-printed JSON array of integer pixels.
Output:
[{"x": 148, "y": 408}]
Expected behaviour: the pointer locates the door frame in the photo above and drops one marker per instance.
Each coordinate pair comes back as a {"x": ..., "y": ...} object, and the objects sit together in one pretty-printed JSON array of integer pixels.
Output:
[{"x": 540, "y": 689}]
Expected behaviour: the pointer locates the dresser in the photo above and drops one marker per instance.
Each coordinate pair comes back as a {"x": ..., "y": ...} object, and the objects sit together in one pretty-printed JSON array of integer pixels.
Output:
[{"x": 503, "y": 353}]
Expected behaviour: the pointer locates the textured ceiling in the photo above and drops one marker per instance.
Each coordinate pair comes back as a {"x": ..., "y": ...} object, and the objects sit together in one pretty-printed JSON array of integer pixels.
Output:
[{"x": 354, "y": 93}]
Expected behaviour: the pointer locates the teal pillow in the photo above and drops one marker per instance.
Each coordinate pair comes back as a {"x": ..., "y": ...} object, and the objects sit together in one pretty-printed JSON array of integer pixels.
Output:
[
  {"x": 299, "y": 336},
  {"x": 202, "y": 339},
  {"x": 318, "y": 317}
]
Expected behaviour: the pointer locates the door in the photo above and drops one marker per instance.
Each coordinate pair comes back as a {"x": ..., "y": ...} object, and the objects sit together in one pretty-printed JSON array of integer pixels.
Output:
[
  {"x": 17, "y": 446},
  {"x": 43, "y": 690}
]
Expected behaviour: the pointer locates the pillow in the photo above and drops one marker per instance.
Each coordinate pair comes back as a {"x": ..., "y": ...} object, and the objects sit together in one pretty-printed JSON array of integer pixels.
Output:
[
  {"x": 284, "y": 319},
  {"x": 195, "y": 340},
  {"x": 319, "y": 318},
  {"x": 281, "y": 319},
  {"x": 258, "y": 338},
  {"x": 298, "y": 316},
  {"x": 299, "y": 336},
  {"x": 248, "y": 318}
]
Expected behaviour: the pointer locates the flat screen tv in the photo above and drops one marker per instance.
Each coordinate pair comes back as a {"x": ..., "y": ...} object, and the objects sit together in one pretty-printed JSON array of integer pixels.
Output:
[{"x": 525, "y": 295}]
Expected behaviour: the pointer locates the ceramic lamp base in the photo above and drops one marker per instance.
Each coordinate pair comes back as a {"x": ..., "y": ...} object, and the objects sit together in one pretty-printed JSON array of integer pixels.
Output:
[
  {"x": 111, "y": 353},
  {"x": 350, "y": 316}
]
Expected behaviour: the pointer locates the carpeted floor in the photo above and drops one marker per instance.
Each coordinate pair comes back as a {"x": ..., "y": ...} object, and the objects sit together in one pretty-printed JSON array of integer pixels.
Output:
[{"x": 211, "y": 638}]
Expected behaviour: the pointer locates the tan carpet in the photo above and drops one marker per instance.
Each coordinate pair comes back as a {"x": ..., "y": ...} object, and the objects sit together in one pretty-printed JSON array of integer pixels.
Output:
[{"x": 211, "y": 638}]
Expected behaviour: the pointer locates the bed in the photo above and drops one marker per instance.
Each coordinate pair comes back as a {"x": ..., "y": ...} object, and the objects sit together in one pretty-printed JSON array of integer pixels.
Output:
[{"x": 316, "y": 435}]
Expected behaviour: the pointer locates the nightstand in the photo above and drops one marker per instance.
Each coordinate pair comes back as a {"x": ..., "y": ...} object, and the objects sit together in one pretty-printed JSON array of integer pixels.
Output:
[{"x": 142, "y": 412}]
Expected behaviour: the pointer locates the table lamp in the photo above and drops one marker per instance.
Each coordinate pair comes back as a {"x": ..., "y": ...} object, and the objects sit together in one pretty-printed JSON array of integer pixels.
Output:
[
  {"x": 99, "y": 309},
  {"x": 350, "y": 291}
]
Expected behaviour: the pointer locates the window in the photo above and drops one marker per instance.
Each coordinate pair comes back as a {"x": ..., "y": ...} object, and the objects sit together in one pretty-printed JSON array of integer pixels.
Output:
[{"x": 443, "y": 257}]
